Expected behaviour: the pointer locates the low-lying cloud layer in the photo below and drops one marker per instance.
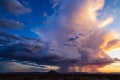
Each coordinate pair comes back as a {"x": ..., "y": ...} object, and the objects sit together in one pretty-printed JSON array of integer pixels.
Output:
[{"x": 73, "y": 36}]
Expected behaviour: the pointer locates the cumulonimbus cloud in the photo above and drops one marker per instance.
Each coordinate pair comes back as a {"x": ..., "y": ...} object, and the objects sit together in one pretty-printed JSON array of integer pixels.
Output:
[
  {"x": 80, "y": 17},
  {"x": 73, "y": 37}
]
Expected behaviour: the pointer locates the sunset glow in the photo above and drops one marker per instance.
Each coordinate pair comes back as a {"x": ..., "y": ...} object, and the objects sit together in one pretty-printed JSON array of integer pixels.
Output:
[{"x": 62, "y": 35}]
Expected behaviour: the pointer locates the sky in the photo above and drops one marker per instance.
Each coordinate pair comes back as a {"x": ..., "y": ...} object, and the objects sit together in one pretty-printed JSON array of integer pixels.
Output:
[{"x": 62, "y": 35}]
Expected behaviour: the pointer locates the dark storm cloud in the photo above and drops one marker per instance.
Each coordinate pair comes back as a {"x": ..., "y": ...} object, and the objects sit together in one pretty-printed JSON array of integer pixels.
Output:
[
  {"x": 28, "y": 49},
  {"x": 14, "y": 6},
  {"x": 7, "y": 36},
  {"x": 79, "y": 17},
  {"x": 4, "y": 23},
  {"x": 14, "y": 47},
  {"x": 61, "y": 47},
  {"x": 12, "y": 40}
]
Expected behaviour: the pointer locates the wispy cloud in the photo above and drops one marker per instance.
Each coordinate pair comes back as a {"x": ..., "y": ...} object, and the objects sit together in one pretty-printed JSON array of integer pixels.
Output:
[
  {"x": 15, "y": 7},
  {"x": 12, "y": 24}
]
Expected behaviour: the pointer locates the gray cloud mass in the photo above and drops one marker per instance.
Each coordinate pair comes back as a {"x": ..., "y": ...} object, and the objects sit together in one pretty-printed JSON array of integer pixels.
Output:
[{"x": 69, "y": 39}]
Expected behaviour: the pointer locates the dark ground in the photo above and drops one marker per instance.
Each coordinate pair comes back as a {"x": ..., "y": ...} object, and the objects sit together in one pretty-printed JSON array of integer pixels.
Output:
[{"x": 57, "y": 76}]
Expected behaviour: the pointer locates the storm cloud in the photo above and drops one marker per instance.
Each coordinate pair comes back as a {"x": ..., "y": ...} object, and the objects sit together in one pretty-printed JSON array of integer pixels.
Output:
[
  {"x": 73, "y": 36},
  {"x": 78, "y": 33},
  {"x": 28, "y": 49}
]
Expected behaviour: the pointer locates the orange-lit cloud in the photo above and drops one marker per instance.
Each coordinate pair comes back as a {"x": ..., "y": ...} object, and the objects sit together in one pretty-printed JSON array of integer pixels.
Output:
[
  {"x": 106, "y": 22},
  {"x": 74, "y": 37},
  {"x": 114, "y": 67},
  {"x": 79, "y": 33},
  {"x": 85, "y": 16},
  {"x": 86, "y": 19},
  {"x": 110, "y": 42}
]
